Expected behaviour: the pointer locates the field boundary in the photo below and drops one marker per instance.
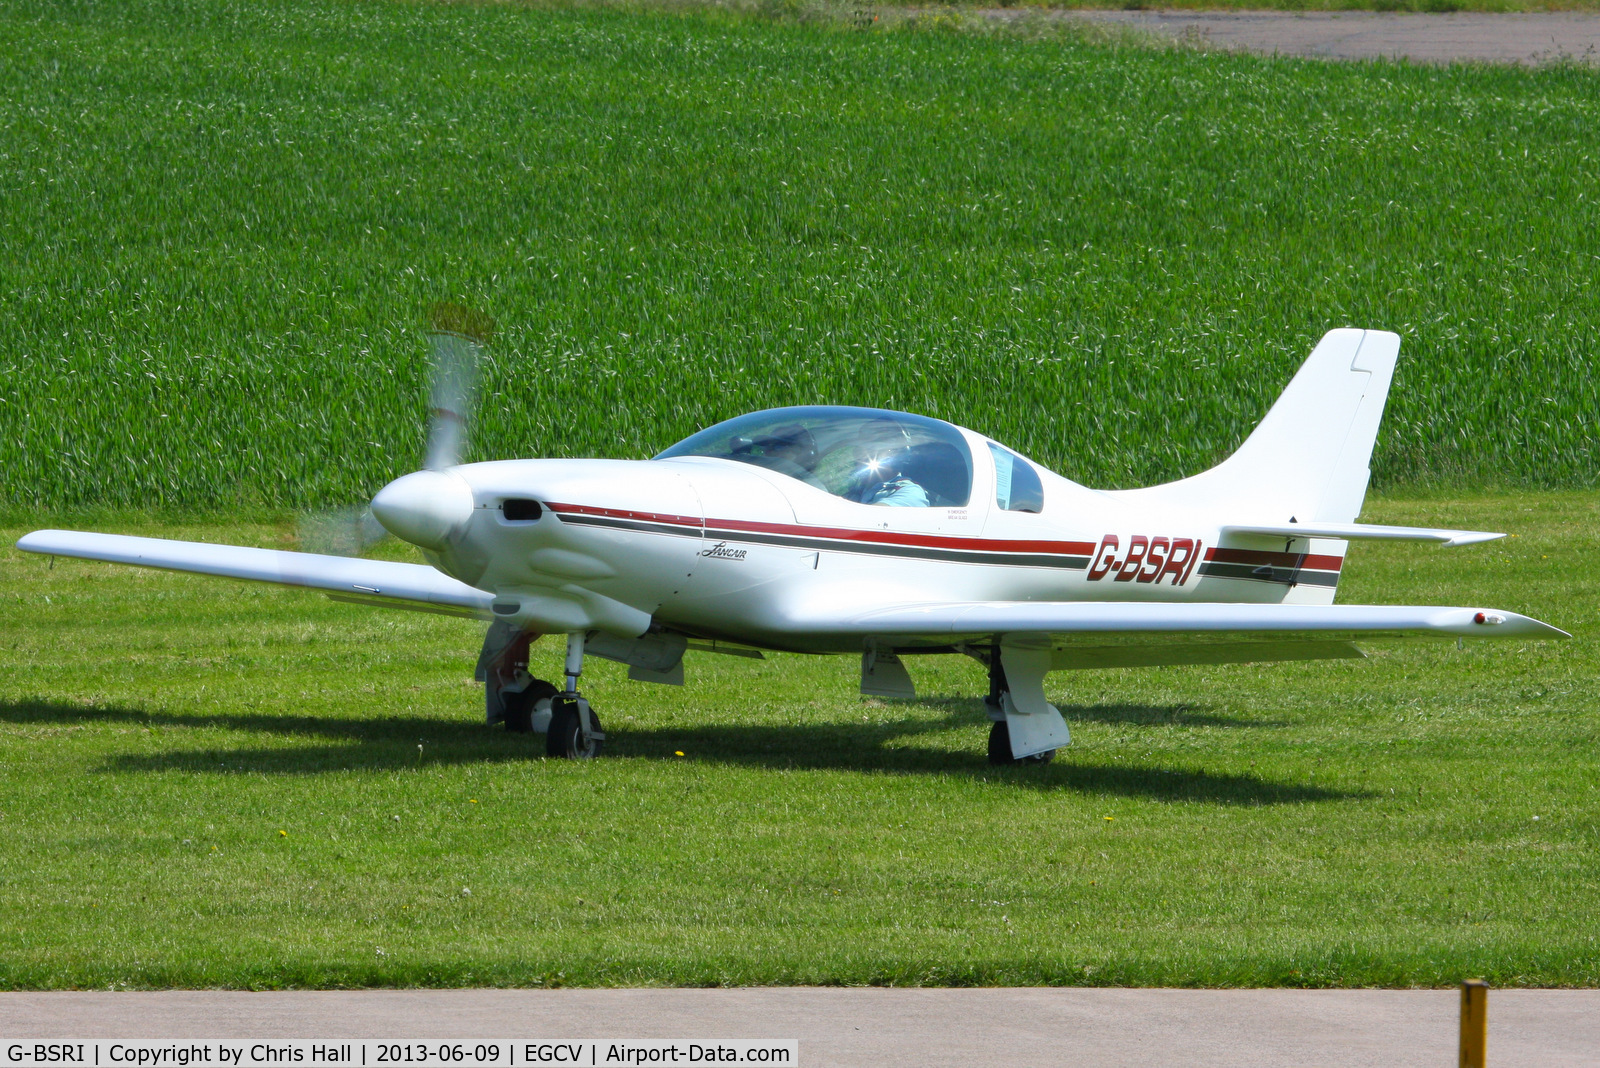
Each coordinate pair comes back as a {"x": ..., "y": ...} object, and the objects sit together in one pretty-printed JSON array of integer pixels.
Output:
[{"x": 1530, "y": 38}]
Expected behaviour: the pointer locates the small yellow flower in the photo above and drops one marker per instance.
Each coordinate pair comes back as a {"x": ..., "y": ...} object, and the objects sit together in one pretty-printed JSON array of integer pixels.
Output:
[
  {"x": 283, "y": 834},
  {"x": 1108, "y": 819},
  {"x": 677, "y": 752},
  {"x": 472, "y": 800}
]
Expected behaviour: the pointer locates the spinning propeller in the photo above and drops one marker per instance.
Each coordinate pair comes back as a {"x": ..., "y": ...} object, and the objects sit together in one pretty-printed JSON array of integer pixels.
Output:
[{"x": 427, "y": 506}]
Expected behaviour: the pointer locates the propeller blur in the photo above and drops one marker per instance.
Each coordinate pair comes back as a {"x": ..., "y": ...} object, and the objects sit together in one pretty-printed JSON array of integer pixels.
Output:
[{"x": 879, "y": 534}]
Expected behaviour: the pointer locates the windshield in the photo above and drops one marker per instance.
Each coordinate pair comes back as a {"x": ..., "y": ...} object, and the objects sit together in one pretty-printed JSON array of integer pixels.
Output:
[{"x": 861, "y": 454}]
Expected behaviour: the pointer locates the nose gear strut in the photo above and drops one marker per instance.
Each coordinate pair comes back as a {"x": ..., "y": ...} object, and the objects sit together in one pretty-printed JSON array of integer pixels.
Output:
[{"x": 575, "y": 732}]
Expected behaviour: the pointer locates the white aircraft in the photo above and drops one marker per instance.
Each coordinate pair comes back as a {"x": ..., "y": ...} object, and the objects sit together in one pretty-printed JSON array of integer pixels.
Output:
[{"x": 875, "y": 533}]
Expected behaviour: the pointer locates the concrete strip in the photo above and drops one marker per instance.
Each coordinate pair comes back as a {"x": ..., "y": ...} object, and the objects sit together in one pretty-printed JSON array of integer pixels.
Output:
[
  {"x": 848, "y": 1027},
  {"x": 1528, "y": 38}
]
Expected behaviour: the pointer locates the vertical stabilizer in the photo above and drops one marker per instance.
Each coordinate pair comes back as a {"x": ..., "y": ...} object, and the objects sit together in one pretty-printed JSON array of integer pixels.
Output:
[{"x": 1309, "y": 458}]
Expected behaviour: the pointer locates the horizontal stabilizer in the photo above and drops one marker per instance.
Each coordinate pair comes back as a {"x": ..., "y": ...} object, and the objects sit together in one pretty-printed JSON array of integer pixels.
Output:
[
  {"x": 1359, "y": 531},
  {"x": 395, "y": 584}
]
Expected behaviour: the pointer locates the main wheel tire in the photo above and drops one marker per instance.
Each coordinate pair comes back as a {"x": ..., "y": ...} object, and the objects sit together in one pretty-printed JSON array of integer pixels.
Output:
[
  {"x": 518, "y": 707},
  {"x": 1000, "y": 748},
  {"x": 565, "y": 740}
]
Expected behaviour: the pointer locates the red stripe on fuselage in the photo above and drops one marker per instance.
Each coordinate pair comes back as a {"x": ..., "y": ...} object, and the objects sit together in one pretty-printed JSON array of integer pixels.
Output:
[
  {"x": 617, "y": 513},
  {"x": 876, "y": 537},
  {"x": 1272, "y": 559}
]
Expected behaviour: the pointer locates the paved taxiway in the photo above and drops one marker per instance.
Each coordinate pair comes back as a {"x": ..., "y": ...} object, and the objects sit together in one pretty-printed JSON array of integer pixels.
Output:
[
  {"x": 982, "y": 1028},
  {"x": 1530, "y": 38}
]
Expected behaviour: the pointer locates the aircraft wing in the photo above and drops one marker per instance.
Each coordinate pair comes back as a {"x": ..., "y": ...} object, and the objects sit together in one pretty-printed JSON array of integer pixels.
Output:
[
  {"x": 1089, "y": 634},
  {"x": 381, "y": 582}
]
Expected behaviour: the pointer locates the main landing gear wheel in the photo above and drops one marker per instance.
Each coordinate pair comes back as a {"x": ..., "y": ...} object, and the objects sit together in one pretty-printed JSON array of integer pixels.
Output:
[
  {"x": 1000, "y": 748},
  {"x": 566, "y": 739},
  {"x": 999, "y": 733},
  {"x": 511, "y": 695},
  {"x": 520, "y": 710}
]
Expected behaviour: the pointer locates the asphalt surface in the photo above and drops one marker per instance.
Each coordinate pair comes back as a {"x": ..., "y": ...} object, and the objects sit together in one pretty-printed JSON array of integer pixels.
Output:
[
  {"x": 849, "y": 1027},
  {"x": 1530, "y": 38}
]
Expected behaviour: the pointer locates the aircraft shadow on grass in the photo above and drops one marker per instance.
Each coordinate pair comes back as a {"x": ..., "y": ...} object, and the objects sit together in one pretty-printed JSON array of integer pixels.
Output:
[
  {"x": 1182, "y": 714},
  {"x": 391, "y": 744}
]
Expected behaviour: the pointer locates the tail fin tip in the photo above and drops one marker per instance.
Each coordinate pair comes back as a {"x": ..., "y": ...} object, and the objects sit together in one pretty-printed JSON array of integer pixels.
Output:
[{"x": 1309, "y": 456}]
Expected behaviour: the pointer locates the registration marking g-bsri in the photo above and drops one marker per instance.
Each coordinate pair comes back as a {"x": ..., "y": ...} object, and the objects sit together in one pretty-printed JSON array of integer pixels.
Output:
[{"x": 1148, "y": 559}]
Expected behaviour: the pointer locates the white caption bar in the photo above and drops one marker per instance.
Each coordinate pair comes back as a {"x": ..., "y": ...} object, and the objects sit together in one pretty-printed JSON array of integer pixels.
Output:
[{"x": 478, "y": 1053}]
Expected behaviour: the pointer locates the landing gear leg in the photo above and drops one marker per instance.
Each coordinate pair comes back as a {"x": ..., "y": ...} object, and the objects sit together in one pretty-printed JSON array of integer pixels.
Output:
[
  {"x": 575, "y": 732},
  {"x": 511, "y": 695},
  {"x": 994, "y": 704}
]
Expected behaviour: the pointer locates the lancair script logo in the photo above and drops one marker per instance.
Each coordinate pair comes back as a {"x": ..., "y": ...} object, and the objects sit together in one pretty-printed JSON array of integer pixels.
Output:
[{"x": 721, "y": 551}]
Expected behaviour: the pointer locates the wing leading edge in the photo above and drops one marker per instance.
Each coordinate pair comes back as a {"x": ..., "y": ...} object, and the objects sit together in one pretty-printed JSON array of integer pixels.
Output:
[
  {"x": 382, "y": 582},
  {"x": 1018, "y": 618},
  {"x": 1120, "y": 634}
]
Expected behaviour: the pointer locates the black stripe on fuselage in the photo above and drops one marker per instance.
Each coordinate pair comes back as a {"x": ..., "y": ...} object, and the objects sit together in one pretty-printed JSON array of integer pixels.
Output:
[
  {"x": 642, "y": 525},
  {"x": 800, "y": 541},
  {"x": 1287, "y": 576},
  {"x": 913, "y": 552}
]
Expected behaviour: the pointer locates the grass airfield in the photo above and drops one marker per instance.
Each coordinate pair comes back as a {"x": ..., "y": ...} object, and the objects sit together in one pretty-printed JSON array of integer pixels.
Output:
[
  {"x": 223, "y": 222},
  {"x": 212, "y": 784}
]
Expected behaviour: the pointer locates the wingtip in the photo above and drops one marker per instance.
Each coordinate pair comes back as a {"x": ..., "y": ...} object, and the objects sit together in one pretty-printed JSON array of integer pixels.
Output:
[
  {"x": 1518, "y": 625},
  {"x": 1473, "y": 537},
  {"x": 31, "y": 542}
]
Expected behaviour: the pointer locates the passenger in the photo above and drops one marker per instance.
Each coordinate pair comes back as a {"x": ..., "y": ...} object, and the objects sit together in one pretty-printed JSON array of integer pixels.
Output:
[{"x": 790, "y": 450}]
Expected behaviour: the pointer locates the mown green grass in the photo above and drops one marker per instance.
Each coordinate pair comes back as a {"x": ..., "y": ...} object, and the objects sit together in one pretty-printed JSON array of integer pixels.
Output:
[
  {"x": 209, "y": 784},
  {"x": 224, "y": 221}
]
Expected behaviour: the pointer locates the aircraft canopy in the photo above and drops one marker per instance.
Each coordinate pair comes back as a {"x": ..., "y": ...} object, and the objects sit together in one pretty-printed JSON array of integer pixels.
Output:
[{"x": 866, "y": 455}]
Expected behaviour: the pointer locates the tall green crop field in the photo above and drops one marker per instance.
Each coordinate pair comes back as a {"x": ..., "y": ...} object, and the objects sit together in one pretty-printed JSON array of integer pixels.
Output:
[{"x": 222, "y": 224}]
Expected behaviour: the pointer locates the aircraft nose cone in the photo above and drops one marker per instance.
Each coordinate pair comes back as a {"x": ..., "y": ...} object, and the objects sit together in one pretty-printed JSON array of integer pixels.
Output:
[{"x": 426, "y": 508}]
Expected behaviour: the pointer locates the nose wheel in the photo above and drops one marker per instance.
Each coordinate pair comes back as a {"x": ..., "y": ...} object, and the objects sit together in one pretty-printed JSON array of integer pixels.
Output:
[
  {"x": 567, "y": 739},
  {"x": 575, "y": 732}
]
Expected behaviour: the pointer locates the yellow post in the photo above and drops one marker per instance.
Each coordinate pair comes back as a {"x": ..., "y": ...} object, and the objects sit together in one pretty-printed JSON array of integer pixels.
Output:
[{"x": 1474, "y": 1023}]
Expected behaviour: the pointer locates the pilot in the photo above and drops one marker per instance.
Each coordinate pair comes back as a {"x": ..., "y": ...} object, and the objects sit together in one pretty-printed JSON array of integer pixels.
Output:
[{"x": 886, "y": 483}]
